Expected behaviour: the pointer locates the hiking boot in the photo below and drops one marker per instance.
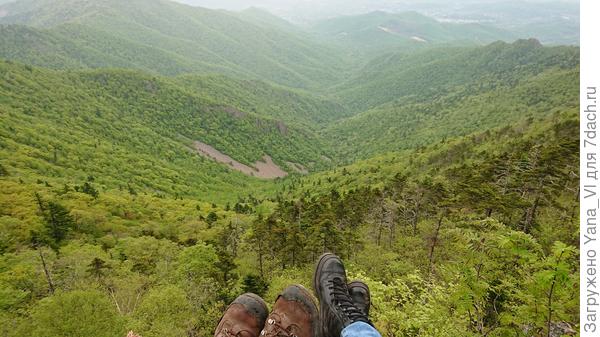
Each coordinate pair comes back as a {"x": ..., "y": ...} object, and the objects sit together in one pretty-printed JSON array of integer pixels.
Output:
[
  {"x": 244, "y": 317},
  {"x": 361, "y": 296},
  {"x": 294, "y": 315},
  {"x": 337, "y": 307}
]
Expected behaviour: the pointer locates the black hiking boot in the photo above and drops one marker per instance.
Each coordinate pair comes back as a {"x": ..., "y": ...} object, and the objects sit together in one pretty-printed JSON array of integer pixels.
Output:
[
  {"x": 361, "y": 296},
  {"x": 337, "y": 307}
]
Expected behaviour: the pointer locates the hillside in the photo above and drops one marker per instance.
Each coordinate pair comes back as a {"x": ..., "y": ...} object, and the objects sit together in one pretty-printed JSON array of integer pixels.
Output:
[
  {"x": 423, "y": 228},
  {"x": 408, "y": 125},
  {"x": 158, "y": 160},
  {"x": 378, "y": 32},
  {"x": 127, "y": 128},
  {"x": 296, "y": 107},
  {"x": 408, "y": 102},
  {"x": 429, "y": 74},
  {"x": 141, "y": 34}
]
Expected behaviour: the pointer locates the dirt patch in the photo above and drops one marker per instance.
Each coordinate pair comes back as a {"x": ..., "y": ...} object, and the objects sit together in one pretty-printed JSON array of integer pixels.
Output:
[
  {"x": 264, "y": 168},
  {"x": 418, "y": 39},
  {"x": 386, "y": 29}
]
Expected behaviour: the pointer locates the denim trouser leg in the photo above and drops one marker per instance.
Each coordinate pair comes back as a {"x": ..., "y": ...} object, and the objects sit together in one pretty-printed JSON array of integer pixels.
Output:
[{"x": 360, "y": 329}]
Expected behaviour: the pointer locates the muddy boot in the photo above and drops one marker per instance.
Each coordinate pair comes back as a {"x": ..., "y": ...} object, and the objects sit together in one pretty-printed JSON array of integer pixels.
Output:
[
  {"x": 294, "y": 315},
  {"x": 245, "y": 317},
  {"x": 337, "y": 307},
  {"x": 361, "y": 296}
]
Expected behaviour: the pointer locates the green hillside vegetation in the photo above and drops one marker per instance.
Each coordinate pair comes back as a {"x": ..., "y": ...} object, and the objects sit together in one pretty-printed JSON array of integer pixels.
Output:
[
  {"x": 129, "y": 129},
  {"x": 74, "y": 46},
  {"x": 143, "y": 35},
  {"x": 404, "y": 102},
  {"x": 453, "y": 225},
  {"x": 292, "y": 106},
  {"x": 446, "y": 177},
  {"x": 407, "y": 124},
  {"x": 378, "y": 32},
  {"x": 484, "y": 225},
  {"x": 424, "y": 76}
]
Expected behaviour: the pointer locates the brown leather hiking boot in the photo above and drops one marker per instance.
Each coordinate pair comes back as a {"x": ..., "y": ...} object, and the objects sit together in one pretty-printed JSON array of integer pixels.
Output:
[
  {"x": 294, "y": 315},
  {"x": 244, "y": 317},
  {"x": 337, "y": 306},
  {"x": 361, "y": 296}
]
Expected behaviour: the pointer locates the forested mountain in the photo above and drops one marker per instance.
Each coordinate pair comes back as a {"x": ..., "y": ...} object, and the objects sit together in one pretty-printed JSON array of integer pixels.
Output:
[
  {"x": 426, "y": 75},
  {"x": 102, "y": 123},
  {"x": 379, "y": 32},
  {"x": 161, "y": 36},
  {"x": 456, "y": 95},
  {"x": 136, "y": 136},
  {"x": 293, "y": 106}
]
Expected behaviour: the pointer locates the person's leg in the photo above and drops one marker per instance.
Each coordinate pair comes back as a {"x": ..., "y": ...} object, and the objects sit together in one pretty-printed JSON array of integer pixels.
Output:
[
  {"x": 340, "y": 314},
  {"x": 361, "y": 296},
  {"x": 294, "y": 314},
  {"x": 360, "y": 329},
  {"x": 245, "y": 316}
]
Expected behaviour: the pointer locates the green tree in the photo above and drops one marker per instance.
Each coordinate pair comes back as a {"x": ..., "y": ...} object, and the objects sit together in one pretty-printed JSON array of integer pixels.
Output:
[
  {"x": 97, "y": 268},
  {"x": 76, "y": 313},
  {"x": 164, "y": 312},
  {"x": 255, "y": 284},
  {"x": 58, "y": 222},
  {"x": 211, "y": 218}
]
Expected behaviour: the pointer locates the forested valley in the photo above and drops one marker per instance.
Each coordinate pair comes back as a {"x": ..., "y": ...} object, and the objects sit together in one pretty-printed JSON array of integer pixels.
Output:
[{"x": 445, "y": 173}]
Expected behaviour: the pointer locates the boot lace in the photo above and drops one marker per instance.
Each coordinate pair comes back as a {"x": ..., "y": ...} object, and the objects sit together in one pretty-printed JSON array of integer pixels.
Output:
[
  {"x": 342, "y": 299},
  {"x": 277, "y": 329}
]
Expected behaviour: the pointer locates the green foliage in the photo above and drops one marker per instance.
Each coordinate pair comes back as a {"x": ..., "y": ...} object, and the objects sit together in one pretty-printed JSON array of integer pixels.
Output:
[
  {"x": 156, "y": 133},
  {"x": 165, "y": 312},
  {"x": 77, "y": 313},
  {"x": 454, "y": 95},
  {"x": 425, "y": 76},
  {"x": 255, "y": 284},
  {"x": 58, "y": 222},
  {"x": 197, "y": 263}
]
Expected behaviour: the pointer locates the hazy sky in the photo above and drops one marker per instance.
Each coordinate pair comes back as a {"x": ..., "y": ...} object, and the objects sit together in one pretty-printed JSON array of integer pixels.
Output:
[{"x": 308, "y": 10}]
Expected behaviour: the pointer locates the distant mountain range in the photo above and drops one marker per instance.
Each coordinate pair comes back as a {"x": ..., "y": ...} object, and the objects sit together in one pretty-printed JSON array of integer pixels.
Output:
[
  {"x": 249, "y": 84},
  {"x": 550, "y": 21},
  {"x": 163, "y": 37},
  {"x": 378, "y": 32}
]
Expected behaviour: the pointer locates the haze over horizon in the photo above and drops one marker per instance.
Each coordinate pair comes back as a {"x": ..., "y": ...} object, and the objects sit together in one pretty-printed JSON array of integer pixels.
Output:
[
  {"x": 551, "y": 21},
  {"x": 309, "y": 10}
]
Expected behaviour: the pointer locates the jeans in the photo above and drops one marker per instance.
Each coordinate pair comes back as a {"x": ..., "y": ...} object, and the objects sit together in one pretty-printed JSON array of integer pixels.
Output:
[{"x": 360, "y": 329}]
